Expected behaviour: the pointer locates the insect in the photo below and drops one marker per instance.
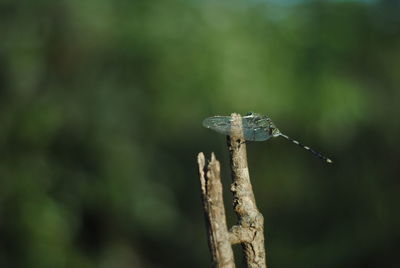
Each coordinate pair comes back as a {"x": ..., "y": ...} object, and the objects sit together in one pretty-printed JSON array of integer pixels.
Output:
[{"x": 256, "y": 127}]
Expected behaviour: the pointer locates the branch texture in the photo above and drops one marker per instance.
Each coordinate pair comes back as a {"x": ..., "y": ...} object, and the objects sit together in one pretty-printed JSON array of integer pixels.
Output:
[
  {"x": 250, "y": 231},
  {"x": 211, "y": 192}
]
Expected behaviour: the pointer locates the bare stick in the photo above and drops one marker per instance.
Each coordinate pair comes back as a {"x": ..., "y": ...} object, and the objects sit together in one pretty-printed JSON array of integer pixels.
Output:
[
  {"x": 250, "y": 231},
  {"x": 211, "y": 192}
]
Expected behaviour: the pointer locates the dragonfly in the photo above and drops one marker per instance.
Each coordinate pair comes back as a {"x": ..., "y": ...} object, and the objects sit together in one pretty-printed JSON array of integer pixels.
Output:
[{"x": 256, "y": 127}]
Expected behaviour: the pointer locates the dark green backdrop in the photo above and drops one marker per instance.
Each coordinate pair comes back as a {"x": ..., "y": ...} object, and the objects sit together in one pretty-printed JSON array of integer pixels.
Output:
[{"x": 101, "y": 104}]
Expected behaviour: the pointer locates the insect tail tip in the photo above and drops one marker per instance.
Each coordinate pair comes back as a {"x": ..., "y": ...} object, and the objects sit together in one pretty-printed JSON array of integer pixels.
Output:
[{"x": 329, "y": 161}]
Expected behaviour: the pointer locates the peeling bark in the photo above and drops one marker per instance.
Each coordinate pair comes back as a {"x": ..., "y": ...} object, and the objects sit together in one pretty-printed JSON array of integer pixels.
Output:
[
  {"x": 211, "y": 192},
  {"x": 249, "y": 232}
]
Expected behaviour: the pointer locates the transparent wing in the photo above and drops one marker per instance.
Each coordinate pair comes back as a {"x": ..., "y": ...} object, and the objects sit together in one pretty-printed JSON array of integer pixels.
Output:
[
  {"x": 220, "y": 124},
  {"x": 255, "y": 127}
]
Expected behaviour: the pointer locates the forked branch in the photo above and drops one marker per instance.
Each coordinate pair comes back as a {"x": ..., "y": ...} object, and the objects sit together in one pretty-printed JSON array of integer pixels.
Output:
[{"x": 249, "y": 232}]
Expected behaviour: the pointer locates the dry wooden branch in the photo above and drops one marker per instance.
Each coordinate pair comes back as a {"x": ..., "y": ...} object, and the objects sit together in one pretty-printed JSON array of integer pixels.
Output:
[
  {"x": 211, "y": 192},
  {"x": 250, "y": 231}
]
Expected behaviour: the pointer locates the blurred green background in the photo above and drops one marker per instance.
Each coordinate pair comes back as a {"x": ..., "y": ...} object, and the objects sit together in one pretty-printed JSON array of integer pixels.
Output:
[{"x": 101, "y": 104}]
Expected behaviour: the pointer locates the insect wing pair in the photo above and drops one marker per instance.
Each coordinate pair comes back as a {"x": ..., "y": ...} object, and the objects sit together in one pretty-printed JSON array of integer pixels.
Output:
[{"x": 255, "y": 127}]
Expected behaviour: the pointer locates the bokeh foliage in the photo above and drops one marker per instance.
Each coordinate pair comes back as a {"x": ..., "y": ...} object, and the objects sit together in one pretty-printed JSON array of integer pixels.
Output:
[{"x": 101, "y": 104}]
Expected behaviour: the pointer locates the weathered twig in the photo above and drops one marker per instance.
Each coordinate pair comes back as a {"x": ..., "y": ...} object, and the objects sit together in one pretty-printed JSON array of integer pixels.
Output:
[
  {"x": 211, "y": 192},
  {"x": 250, "y": 231}
]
